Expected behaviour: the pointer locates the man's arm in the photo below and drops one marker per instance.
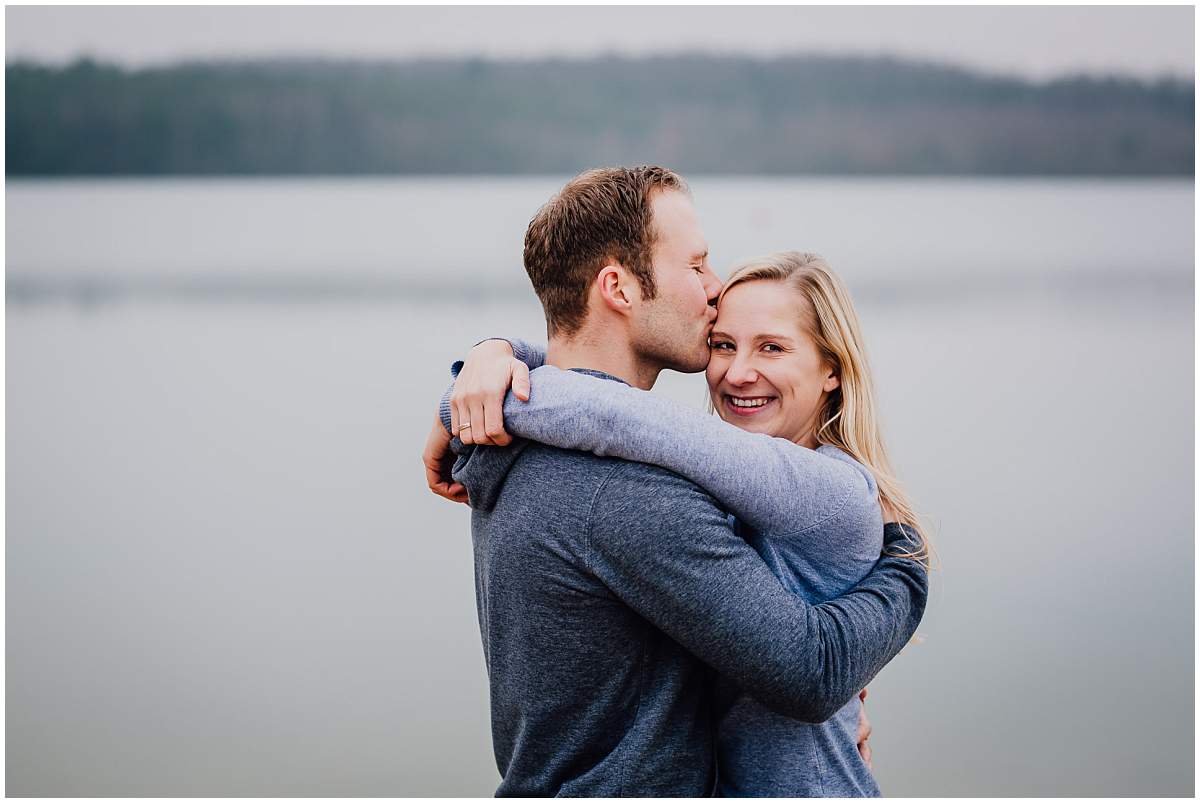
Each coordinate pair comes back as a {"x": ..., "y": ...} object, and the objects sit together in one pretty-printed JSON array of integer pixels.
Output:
[{"x": 665, "y": 549}]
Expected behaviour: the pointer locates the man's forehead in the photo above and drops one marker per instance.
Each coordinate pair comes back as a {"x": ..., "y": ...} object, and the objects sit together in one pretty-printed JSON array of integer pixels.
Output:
[
  {"x": 675, "y": 222},
  {"x": 672, "y": 202}
]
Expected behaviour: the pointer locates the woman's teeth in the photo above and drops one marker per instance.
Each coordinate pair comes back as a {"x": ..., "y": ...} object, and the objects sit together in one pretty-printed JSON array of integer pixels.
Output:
[{"x": 747, "y": 402}]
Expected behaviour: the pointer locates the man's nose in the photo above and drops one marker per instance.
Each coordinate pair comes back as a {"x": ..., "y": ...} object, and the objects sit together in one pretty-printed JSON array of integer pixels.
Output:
[{"x": 712, "y": 284}]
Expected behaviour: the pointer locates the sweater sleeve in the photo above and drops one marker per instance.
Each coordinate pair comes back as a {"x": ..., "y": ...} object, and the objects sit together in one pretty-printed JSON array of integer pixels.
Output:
[
  {"x": 668, "y": 552},
  {"x": 770, "y": 483}
]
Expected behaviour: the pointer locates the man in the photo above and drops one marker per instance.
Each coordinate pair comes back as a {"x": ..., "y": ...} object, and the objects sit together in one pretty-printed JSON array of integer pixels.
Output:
[{"x": 608, "y": 590}]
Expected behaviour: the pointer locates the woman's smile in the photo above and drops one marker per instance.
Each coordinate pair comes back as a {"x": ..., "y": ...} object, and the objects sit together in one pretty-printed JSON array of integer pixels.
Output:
[{"x": 750, "y": 405}]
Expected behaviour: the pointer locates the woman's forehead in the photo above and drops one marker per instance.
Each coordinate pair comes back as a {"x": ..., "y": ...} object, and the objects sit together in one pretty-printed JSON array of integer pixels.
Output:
[{"x": 762, "y": 305}]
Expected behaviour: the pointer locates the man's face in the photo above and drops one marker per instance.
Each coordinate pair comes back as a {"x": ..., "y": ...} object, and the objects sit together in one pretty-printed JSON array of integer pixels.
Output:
[{"x": 672, "y": 329}]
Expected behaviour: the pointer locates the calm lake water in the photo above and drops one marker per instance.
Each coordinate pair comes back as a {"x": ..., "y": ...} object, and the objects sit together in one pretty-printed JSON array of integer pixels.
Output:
[{"x": 225, "y": 575}]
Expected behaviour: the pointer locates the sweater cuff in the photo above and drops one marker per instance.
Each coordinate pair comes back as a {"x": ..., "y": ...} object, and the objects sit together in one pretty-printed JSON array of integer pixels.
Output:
[
  {"x": 520, "y": 349},
  {"x": 444, "y": 406},
  {"x": 529, "y": 353}
]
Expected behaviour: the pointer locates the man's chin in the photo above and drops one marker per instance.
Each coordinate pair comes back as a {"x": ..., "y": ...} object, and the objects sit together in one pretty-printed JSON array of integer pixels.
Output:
[{"x": 693, "y": 365}]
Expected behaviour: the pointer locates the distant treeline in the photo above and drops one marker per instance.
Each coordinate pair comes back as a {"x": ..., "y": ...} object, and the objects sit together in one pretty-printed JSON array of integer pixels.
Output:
[{"x": 699, "y": 114}]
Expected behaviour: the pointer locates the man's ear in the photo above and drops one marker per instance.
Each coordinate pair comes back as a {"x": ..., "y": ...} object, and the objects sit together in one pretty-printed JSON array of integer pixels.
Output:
[{"x": 618, "y": 289}]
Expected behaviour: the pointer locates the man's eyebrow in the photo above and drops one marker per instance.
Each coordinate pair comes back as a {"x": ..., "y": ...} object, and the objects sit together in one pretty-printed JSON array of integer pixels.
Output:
[{"x": 700, "y": 256}]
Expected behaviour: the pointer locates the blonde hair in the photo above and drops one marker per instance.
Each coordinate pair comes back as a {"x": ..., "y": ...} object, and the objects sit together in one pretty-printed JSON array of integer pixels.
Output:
[{"x": 848, "y": 419}]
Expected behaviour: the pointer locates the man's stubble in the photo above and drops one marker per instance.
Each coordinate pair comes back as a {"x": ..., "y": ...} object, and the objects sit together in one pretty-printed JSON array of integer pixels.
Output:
[{"x": 667, "y": 340}]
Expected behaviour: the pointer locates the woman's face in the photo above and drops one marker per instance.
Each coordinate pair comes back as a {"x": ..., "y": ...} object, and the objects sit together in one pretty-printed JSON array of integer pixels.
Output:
[{"x": 764, "y": 372}]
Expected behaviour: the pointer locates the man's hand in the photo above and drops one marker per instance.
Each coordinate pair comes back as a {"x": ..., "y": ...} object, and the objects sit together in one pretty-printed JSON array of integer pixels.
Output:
[
  {"x": 477, "y": 402},
  {"x": 438, "y": 460},
  {"x": 864, "y": 730}
]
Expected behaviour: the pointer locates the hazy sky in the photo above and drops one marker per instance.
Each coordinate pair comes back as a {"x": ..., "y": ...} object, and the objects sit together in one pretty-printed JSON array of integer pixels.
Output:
[{"x": 1031, "y": 41}]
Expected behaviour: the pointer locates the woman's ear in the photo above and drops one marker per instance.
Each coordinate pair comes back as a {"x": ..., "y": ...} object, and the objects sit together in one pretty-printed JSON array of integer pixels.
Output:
[{"x": 832, "y": 382}]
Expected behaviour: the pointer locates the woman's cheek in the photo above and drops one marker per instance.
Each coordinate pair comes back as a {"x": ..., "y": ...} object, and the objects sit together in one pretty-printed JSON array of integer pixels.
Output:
[{"x": 712, "y": 374}]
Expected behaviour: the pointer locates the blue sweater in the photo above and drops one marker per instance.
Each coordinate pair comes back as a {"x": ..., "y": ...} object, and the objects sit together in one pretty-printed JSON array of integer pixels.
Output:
[{"x": 605, "y": 587}]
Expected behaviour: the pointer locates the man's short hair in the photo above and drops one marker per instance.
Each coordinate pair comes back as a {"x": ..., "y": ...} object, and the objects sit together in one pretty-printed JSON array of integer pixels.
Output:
[{"x": 600, "y": 216}]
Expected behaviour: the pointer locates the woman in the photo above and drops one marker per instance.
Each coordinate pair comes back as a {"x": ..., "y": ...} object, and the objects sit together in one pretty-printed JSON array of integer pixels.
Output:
[{"x": 787, "y": 361}]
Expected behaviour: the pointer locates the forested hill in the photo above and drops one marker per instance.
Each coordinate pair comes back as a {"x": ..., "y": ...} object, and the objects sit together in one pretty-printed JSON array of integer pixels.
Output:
[{"x": 699, "y": 114}]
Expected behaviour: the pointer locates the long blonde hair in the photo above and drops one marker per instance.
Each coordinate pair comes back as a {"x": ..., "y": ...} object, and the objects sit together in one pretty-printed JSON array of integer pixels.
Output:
[{"x": 848, "y": 419}]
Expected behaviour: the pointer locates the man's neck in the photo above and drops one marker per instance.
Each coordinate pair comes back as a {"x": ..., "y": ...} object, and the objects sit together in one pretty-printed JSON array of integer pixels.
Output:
[{"x": 610, "y": 355}]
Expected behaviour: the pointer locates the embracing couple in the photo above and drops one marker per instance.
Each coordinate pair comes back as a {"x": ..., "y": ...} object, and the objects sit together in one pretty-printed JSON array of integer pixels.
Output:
[{"x": 674, "y": 603}]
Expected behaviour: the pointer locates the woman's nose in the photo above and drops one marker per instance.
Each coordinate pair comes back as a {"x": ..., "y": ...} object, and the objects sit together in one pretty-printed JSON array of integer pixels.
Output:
[{"x": 741, "y": 372}]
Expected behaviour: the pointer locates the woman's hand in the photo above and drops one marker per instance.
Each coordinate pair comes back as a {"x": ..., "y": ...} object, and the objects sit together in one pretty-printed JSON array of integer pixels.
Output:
[{"x": 477, "y": 402}]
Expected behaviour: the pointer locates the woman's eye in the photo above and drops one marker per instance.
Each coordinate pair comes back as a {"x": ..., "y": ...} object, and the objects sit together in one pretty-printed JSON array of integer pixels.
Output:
[
  {"x": 721, "y": 346},
  {"x": 774, "y": 349}
]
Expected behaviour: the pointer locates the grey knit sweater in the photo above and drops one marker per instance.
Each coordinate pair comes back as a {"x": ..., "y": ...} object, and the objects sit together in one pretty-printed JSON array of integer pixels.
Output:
[{"x": 608, "y": 590}]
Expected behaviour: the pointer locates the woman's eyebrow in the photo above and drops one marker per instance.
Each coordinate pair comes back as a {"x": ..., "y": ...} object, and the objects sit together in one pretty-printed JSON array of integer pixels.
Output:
[{"x": 783, "y": 338}]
